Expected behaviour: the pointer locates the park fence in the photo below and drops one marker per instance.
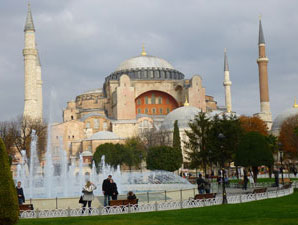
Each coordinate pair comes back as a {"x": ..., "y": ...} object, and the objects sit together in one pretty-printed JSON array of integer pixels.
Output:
[{"x": 156, "y": 206}]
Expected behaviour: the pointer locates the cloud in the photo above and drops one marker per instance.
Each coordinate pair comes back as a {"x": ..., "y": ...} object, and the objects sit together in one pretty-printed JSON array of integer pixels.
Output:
[{"x": 82, "y": 42}]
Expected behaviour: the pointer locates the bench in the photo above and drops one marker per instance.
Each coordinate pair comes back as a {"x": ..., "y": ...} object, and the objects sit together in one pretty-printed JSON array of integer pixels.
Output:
[
  {"x": 25, "y": 207},
  {"x": 286, "y": 181},
  {"x": 205, "y": 196},
  {"x": 259, "y": 190},
  {"x": 123, "y": 202}
]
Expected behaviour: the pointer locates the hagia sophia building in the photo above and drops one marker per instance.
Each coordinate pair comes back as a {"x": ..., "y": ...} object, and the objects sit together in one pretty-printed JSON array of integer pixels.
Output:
[{"x": 144, "y": 92}]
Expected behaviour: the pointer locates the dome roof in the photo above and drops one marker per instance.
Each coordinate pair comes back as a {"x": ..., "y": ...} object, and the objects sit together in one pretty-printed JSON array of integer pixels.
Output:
[
  {"x": 104, "y": 135},
  {"x": 183, "y": 114},
  {"x": 277, "y": 123},
  {"x": 144, "y": 61}
]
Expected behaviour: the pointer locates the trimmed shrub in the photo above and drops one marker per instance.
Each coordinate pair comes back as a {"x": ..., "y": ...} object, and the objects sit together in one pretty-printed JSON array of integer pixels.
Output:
[{"x": 9, "y": 208}]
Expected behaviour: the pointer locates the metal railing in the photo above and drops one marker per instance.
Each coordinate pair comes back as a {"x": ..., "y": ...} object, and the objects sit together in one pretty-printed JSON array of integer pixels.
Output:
[{"x": 156, "y": 206}]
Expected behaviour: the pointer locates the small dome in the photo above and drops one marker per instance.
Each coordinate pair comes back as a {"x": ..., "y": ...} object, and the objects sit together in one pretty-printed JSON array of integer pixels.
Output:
[
  {"x": 277, "y": 123},
  {"x": 144, "y": 61},
  {"x": 87, "y": 153},
  {"x": 104, "y": 135},
  {"x": 183, "y": 114}
]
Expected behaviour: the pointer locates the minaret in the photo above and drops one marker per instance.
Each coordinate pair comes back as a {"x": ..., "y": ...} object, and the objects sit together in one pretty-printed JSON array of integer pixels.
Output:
[
  {"x": 227, "y": 84},
  {"x": 31, "y": 107},
  {"x": 39, "y": 87},
  {"x": 262, "y": 61}
]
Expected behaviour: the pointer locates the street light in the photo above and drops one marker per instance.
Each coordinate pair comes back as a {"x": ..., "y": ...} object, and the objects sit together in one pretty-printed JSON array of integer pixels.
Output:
[
  {"x": 221, "y": 137},
  {"x": 281, "y": 158}
]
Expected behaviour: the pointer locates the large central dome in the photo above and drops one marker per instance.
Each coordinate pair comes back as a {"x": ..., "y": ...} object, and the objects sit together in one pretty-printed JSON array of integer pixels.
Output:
[
  {"x": 144, "y": 61},
  {"x": 146, "y": 67}
]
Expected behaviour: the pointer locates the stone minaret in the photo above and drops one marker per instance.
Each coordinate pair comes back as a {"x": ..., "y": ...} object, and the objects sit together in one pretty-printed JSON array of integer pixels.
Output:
[
  {"x": 227, "y": 84},
  {"x": 39, "y": 87},
  {"x": 33, "y": 88},
  {"x": 262, "y": 61}
]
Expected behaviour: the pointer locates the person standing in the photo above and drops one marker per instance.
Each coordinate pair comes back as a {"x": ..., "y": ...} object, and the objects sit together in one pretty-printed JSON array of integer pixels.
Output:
[
  {"x": 88, "y": 195},
  {"x": 113, "y": 192},
  {"x": 201, "y": 184},
  {"x": 245, "y": 180},
  {"x": 20, "y": 193},
  {"x": 106, "y": 187}
]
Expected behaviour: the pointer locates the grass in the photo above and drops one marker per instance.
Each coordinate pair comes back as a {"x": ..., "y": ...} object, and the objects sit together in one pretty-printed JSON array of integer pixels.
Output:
[
  {"x": 261, "y": 180},
  {"x": 282, "y": 211}
]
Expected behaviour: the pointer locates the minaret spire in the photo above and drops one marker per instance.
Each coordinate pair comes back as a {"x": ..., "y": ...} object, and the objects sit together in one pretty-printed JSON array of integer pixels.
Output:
[
  {"x": 227, "y": 83},
  {"x": 262, "y": 61},
  {"x": 261, "y": 34},
  {"x": 29, "y": 21}
]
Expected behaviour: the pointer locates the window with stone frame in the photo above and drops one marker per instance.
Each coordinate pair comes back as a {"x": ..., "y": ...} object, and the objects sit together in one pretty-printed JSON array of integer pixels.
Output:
[
  {"x": 96, "y": 123},
  {"x": 160, "y": 111},
  {"x": 159, "y": 100},
  {"x": 139, "y": 101},
  {"x": 168, "y": 110},
  {"x": 153, "y": 99},
  {"x": 145, "y": 126},
  {"x": 146, "y": 100},
  {"x": 146, "y": 110},
  {"x": 153, "y": 110},
  {"x": 139, "y": 111}
]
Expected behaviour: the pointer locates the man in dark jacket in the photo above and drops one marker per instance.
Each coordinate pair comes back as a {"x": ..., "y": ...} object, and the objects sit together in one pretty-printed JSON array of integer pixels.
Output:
[
  {"x": 106, "y": 188},
  {"x": 201, "y": 184},
  {"x": 20, "y": 193}
]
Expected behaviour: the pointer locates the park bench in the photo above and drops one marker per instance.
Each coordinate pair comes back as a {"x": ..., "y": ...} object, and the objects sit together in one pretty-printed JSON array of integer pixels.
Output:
[
  {"x": 25, "y": 207},
  {"x": 259, "y": 190},
  {"x": 286, "y": 181},
  {"x": 124, "y": 202},
  {"x": 205, "y": 196}
]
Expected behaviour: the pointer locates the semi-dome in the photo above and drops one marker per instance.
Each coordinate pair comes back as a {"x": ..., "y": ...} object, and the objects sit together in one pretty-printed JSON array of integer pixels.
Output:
[
  {"x": 182, "y": 114},
  {"x": 278, "y": 121},
  {"x": 104, "y": 135},
  {"x": 144, "y": 61},
  {"x": 146, "y": 67}
]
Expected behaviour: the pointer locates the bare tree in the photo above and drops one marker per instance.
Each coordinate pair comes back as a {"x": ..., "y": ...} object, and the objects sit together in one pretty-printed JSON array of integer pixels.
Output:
[
  {"x": 16, "y": 135},
  {"x": 154, "y": 137}
]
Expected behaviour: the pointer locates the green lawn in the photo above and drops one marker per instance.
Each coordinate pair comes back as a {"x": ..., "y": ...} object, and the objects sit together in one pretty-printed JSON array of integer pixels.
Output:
[
  {"x": 272, "y": 211},
  {"x": 262, "y": 180}
]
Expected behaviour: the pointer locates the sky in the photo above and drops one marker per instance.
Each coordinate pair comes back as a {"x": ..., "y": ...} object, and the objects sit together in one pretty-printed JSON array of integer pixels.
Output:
[{"x": 80, "y": 42}]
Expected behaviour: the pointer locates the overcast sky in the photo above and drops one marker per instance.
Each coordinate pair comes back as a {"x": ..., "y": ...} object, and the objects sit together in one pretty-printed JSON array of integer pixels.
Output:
[{"x": 83, "y": 41}]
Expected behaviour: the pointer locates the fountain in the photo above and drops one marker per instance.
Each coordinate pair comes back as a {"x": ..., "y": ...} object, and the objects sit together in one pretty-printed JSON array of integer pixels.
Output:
[{"x": 58, "y": 178}]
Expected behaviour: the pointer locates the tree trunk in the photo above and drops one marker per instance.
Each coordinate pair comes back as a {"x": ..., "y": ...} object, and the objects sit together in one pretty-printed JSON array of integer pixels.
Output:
[
  {"x": 270, "y": 171},
  {"x": 237, "y": 174},
  {"x": 255, "y": 171}
]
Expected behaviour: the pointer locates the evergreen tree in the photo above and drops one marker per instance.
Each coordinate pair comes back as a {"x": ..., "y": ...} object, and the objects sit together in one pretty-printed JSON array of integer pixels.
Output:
[
  {"x": 162, "y": 158},
  {"x": 9, "y": 208},
  {"x": 196, "y": 152},
  {"x": 135, "y": 152},
  {"x": 177, "y": 143},
  {"x": 254, "y": 151}
]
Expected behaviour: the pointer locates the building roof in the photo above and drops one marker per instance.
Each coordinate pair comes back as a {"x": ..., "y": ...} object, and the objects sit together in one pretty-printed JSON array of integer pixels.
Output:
[
  {"x": 83, "y": 118},
  {"x": 280, "y": 118},
  {"x": 144, "y": 61},
  {"x": 182, "y": 114},
  {"x": 104, "y": 135}
]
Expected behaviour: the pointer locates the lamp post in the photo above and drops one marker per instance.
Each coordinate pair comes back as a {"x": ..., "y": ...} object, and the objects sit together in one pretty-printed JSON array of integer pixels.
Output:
[
  {"x": 281, "y": 159},
  {"x": 221, "y": 137}
]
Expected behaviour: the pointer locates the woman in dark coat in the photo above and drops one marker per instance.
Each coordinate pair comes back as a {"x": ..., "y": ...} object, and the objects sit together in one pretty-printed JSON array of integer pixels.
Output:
[{"x": 113, "y": 192}]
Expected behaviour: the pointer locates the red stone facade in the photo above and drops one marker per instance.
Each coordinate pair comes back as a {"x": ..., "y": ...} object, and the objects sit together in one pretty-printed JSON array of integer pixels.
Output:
[{"x": 155, "y": 103}]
